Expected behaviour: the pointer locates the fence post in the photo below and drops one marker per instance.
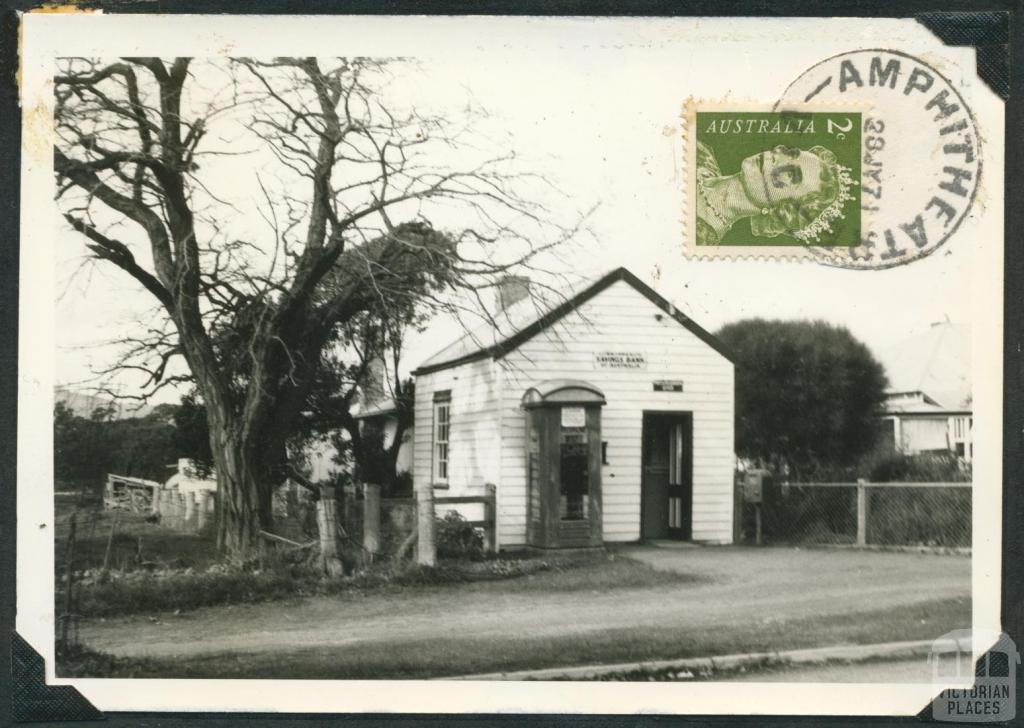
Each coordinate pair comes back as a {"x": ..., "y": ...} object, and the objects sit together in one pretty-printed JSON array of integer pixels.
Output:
[
  {"x": 327, "y": 525},
  {"x": 202, "y": 509},
  {"x": 179, "y": 510},
  {"x": 758, "y": 534},
  {"x": 490, "y": 513},
  {"x": 426, "y": 550},
  {"x": 190, "y": 510},
  {"x": 737, "y": 510},
  {"x": 166, "y": 508},
  {"x": 69, "y": 602},
  {"x": 862, "y": 512},
  {"x": 371, "y": 517},
  {"x": 110, "y": 541}
]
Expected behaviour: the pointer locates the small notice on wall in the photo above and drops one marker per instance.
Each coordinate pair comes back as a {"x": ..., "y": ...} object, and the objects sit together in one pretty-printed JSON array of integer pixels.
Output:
[
  {"x": 619, "y": 360},
  {"x": 574, "y": 417},
  {"x": 668, "y": 385}
]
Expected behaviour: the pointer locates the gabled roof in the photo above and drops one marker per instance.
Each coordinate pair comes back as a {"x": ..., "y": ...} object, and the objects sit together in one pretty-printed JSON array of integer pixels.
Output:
[
  {"x": 384, "y": 406},
  {"x": 936, "y": 361},
  {"x": 525, "y": 320},
  {"x": 915, "y": 395},
  {"x": 917, "y": 403}
]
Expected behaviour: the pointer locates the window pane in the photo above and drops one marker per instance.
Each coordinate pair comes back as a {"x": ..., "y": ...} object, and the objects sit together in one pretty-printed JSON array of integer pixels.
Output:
[
  {"x": 574, "y": 475},
  {"x": 442, "y": 429}
]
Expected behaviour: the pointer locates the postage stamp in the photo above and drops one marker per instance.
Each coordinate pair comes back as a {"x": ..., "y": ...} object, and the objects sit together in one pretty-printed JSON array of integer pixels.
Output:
[
  {"x": 775, "y": 178},
  {"x": 891, "y": 145}
]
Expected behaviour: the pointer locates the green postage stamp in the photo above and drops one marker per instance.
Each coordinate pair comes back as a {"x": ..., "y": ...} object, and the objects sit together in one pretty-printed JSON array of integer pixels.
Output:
[{"x": 773, "y": 179}]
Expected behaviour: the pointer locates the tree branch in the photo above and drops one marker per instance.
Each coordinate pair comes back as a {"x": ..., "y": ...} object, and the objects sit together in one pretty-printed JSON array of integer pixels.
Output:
[{"x": 120, "y": 255}]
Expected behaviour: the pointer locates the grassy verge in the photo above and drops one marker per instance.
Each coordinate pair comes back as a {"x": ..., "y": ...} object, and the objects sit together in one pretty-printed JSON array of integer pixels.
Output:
[
  {"x": 143, "y": 592},
  {"x": 133, "y": 541},
  {"x": 445, "y": 657}
]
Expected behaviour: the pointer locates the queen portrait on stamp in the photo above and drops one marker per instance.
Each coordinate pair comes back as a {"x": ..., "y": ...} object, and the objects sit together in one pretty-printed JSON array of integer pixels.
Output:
[
  {"x": 774, "y": 179},
  {"x": 783, "y": 191}
]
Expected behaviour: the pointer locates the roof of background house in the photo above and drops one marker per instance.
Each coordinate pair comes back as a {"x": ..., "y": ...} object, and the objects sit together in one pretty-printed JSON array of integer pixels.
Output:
[
  {"x": 528, "y": 317},
  {"x": 916, "y": 403},
  {"x": 384, "y": 406},
  {"x": 936, "y": 362}
]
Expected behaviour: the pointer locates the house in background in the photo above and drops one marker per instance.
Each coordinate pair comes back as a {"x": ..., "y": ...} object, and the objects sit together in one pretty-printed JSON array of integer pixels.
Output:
[
  {"x": 928, "y": 406},
  {"x": 377, "y": 408},
  {"x": 188, "y": 478},
  {"x": 374, "y": 406},
  {"x": 608, "y": 416}
]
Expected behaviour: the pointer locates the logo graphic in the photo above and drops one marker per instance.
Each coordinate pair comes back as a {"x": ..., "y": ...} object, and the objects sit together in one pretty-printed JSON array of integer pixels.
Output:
[{"x": 981, "y": 692}]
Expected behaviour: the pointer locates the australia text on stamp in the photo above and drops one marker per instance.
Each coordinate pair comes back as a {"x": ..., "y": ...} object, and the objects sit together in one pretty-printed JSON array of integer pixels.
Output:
[{"x": 772, "y": 179}]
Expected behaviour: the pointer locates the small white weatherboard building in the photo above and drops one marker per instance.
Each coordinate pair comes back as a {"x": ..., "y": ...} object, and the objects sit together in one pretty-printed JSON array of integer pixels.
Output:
[
  {"x": 928, "y": 408},
  {"x": 606, "y": 417},
  {"x": 188, "y": 480}
]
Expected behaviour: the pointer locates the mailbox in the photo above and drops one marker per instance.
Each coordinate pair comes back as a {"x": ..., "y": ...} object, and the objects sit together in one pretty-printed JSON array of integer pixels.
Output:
[
  {"x": 563, "y": 453},
  {"x": 753, "y": 486}
]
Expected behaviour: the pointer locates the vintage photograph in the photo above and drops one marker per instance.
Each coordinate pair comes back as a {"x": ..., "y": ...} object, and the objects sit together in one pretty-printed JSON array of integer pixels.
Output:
[{"x": 404, "y": 366}]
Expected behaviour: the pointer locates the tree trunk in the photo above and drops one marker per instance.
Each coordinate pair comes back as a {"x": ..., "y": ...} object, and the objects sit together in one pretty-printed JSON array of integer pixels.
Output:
[{"x": 244, "y": 493}]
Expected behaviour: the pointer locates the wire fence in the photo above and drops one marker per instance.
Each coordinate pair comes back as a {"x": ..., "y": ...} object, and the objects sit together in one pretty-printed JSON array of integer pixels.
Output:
[{"x": 866, "y": 514}]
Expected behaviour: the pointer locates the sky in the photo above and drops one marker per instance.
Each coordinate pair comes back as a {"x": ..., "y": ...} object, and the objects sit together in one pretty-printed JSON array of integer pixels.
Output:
[{"x": 604, "y": 128}]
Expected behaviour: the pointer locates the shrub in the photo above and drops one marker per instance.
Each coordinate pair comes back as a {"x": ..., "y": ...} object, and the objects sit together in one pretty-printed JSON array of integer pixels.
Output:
[
  {"x": 458, "y": 539},
  {"x": 883, "y": 465},
  {"x": 896, "y": 515},
  {"x": 109, "y": 593},
  {"x": 924, "y": 467},
  {"x": 103, "y": 595},
  {"x": 920, "y": 516},
  {"x": 403, "y": 485}
]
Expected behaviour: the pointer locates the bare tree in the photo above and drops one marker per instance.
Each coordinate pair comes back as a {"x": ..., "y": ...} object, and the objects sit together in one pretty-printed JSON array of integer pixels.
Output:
[{"x": 352, "y": 185}]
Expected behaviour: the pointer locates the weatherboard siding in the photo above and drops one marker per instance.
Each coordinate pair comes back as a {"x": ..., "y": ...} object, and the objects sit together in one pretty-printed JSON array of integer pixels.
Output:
[
  {"x": 621, "y": 319},
  {"x": 473, "y": 438}
]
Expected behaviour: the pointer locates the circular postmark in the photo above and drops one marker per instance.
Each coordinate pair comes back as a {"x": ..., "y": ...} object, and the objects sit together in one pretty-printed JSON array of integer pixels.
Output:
[{"x": 921, "y": 156}]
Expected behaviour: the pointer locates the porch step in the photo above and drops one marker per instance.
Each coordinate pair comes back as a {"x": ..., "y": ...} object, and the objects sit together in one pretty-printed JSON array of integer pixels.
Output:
[{"x": 664, "y": 543}]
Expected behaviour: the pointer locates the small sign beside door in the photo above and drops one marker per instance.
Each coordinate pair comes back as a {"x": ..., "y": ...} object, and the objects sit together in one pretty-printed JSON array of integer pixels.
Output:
[
  {"x": 574, "y": 417},
  {"x": 668, "y": 385}
]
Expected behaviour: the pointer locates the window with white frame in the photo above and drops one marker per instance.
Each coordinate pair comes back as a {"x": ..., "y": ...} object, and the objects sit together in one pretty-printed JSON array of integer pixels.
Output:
[
  {"x": 442, "y": 435},
  {"x": 960, "y": 436}
]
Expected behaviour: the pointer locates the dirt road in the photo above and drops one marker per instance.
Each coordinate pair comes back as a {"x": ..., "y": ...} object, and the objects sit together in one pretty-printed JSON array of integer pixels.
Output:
[{"x": 759, "y": 589}]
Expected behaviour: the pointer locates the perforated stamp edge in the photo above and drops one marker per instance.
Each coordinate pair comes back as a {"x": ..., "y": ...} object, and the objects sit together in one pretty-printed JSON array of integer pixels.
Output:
[{"x": 753, "y": 252}]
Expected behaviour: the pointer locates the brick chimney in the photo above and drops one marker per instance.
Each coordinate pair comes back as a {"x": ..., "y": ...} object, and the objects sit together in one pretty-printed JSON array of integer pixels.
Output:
[
  {"x": 511, "y": 290},
  {"x": 375, "y": 387}
]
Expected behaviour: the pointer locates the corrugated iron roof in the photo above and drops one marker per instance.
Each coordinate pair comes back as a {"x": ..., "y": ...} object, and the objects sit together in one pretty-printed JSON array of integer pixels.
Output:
[
  {"x": 523, "y": 320},
  {"x": 936, "y": 362}
]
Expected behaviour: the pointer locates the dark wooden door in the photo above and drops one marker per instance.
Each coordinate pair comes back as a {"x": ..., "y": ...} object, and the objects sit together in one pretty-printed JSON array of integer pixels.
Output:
[{"x": 667, "y": 478}]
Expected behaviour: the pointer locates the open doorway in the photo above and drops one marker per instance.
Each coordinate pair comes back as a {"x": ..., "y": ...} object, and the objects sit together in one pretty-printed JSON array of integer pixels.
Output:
[{"x": 666, "y": 484}]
